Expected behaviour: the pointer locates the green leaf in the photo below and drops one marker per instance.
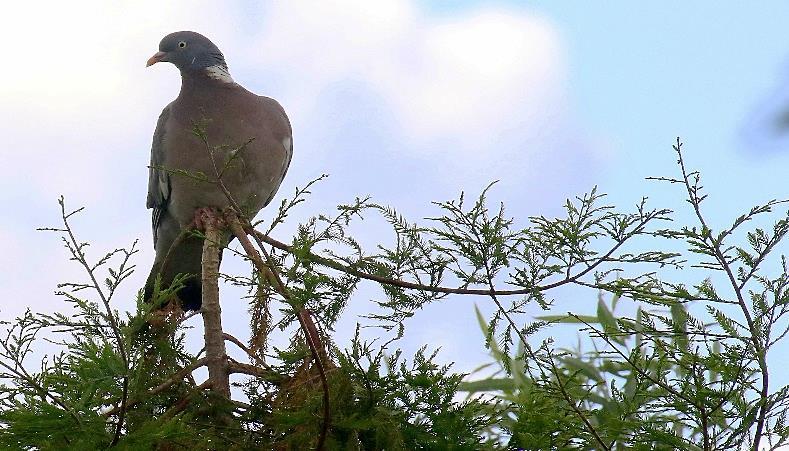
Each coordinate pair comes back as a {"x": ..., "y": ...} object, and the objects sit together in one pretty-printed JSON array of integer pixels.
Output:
[{"x": 609, "y": 323}]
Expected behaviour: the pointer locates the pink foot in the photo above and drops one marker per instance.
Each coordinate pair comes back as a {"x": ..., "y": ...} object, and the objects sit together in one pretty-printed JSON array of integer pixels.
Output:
[{"x": 202, "y": 216}]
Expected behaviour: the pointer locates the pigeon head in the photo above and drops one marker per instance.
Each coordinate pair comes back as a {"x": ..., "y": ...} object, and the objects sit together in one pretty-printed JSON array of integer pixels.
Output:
[{"x": 191, "y": 52}]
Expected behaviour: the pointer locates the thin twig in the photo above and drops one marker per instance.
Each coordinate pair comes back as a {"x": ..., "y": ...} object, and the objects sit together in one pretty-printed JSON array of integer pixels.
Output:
[
  {"x": 323, "y": 261},
  {"x": 175, "y": 378},
  {"x": 76, "y": 249},
  {"x": 714, "y": 244},
  {"x": 181, "y": 405},
  {"x": 23, "y": 374},
  {"x": 303, "y": 315},
  {"x": 489, "y": 275},
  {"x": 244, "y": 348}
]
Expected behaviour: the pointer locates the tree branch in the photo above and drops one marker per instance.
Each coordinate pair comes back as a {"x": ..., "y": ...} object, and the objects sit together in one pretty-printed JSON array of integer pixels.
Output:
[
  {"x": 215, "y": 351},
  {"x": 715, "y": 245},
  {"x": 176, "y": 377},
  {"x": 305, "y": 321},
  {"x": 234, "y": 367},
  {"x": 347, "y": 269},
  {"x": 244, "y": 348}
]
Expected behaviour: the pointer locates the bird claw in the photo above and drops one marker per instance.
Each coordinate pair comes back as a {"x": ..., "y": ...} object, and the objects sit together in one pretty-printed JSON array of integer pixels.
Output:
[{"x": 202, "y": 216}]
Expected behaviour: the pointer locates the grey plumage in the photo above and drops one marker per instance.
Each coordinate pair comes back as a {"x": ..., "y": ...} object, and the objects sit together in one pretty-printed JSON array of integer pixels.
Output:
[{"x": 230, "y": 116}]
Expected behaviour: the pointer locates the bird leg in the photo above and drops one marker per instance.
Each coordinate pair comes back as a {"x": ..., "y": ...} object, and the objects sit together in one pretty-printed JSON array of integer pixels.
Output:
[{"x": 202, "y": 216}]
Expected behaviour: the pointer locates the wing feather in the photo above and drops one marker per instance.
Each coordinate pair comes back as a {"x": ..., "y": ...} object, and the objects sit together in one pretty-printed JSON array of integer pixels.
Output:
[{"x": 158, "y": 180}]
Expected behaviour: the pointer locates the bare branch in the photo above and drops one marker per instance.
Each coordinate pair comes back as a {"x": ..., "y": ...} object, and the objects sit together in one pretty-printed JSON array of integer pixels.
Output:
[{"x": 212, "y": 312}]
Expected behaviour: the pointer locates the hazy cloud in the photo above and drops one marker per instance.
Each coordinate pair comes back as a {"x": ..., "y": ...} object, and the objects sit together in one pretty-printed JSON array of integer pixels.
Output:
[{"x": 389, "y": 100}]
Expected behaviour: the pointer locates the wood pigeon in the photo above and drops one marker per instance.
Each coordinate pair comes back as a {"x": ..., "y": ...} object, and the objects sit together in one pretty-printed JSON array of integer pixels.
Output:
[{"x": 229, "y": 116}]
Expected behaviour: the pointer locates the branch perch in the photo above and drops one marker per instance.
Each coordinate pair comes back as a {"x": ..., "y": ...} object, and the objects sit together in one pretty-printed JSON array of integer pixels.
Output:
[{"x": 216, "y": 353}]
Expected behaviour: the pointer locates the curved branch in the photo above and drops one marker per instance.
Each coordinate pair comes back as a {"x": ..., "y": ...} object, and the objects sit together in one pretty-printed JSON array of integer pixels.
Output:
[
  {"x": 234, "y": 367},
  {"x": 305, "y": 321},
  {"x": 179, "y": 375},
  {"x": 347, "y": 269},
  {"x": 246, "y": 349}
]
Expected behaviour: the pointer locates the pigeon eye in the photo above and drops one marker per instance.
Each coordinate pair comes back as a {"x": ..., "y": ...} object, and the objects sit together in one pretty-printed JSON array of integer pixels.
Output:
[{"x": 182, "y": 44}]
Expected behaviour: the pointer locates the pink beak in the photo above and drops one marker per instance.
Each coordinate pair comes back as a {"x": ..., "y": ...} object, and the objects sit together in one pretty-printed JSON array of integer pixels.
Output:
[{"x": 157, "y": 57}]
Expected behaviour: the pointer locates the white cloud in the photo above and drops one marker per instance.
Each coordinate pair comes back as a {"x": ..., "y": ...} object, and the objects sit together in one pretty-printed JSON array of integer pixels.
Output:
[
  {"x": 473, "y": 97},
  {"x": 455, "y": 87},
  {"x": 478, "y": 71},
  {"x": 469, "y": 77}
]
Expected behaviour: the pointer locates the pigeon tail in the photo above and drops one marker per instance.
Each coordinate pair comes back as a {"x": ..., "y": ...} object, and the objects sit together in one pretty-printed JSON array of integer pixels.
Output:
[{"x": 184, "y": 258}]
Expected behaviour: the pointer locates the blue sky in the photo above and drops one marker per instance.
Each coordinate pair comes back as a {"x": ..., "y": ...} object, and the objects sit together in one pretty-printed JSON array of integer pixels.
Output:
[{"x": 408, "y": 101}]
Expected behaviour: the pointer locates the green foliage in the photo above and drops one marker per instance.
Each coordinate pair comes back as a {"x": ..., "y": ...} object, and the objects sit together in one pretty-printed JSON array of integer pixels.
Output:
[
  {"x": 673, "y": 354},
  {"x": 382, "y": 401}
]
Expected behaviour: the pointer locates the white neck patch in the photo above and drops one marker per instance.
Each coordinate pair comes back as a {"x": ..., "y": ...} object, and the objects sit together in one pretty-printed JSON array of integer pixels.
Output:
[{"x": 219, "y": 73}]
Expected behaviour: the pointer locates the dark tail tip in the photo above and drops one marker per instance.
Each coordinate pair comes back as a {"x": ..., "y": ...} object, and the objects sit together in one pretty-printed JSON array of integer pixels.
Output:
[{"x": 191, "y": 295}]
